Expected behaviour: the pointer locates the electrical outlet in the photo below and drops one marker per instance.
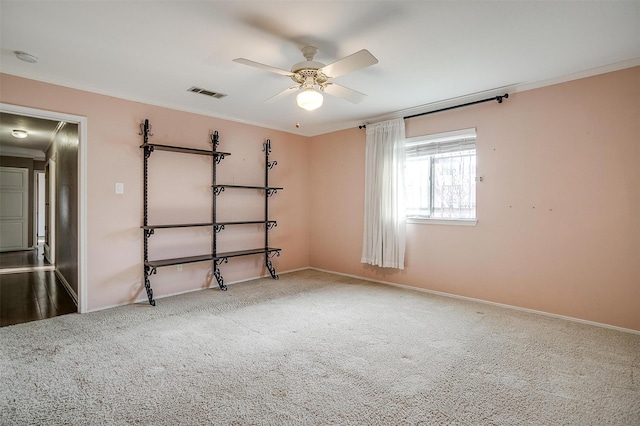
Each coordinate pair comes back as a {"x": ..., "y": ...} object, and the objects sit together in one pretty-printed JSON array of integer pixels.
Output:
[{"x": 179, "y": 268}]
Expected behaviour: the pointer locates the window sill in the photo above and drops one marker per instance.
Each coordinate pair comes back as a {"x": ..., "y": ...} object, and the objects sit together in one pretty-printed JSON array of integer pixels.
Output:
[{"x": 455, "y": 222}]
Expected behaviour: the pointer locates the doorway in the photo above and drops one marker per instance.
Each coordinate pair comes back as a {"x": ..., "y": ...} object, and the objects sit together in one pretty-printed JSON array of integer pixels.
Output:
[{"x": 71, "y": 274}]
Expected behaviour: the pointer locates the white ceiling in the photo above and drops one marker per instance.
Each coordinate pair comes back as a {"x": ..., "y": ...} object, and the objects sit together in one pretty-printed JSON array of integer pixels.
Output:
[
  {"x": 40, "y": 135},
  {"x": 428, "y": 51}
]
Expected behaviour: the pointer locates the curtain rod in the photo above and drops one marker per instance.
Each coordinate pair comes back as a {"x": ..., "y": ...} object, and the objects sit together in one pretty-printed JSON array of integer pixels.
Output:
[{"x": 495, "y": 98}]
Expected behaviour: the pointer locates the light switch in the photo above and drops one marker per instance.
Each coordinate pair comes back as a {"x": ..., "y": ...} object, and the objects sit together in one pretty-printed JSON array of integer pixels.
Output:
[{"x": 119, "y": 188}]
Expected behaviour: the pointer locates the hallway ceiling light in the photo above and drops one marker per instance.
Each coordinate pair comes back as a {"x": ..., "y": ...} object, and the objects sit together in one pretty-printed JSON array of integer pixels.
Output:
[
  {"x": 20, "y": 134},
  {"x": 309, "y": 99}
]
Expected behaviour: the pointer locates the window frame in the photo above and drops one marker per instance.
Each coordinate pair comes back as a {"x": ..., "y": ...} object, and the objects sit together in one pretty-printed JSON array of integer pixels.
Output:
[{"x": 462, "y": 134}]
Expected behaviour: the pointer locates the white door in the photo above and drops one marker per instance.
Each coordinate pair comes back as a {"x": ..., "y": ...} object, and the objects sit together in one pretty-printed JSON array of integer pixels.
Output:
[{"x": 14, "y": 208}]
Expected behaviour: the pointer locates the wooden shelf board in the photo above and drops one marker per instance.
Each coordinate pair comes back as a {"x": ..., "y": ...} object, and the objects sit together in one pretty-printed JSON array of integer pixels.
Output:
[
  {"x": 208, "y": 257},
  {"x": 185, "y": 150}
]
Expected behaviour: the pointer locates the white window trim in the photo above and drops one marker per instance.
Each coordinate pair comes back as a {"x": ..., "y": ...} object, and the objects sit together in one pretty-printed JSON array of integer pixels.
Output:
[
  {"x": 443, "y": 137},
  {"x": 429, "y": 221}
]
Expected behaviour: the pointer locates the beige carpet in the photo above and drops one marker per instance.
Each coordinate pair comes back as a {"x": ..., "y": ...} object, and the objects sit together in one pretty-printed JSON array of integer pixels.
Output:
[{"x": 315, "y": 348}]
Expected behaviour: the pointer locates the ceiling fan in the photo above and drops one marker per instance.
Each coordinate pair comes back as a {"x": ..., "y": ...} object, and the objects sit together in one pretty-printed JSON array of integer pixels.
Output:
[{"x": 309, "y": 75}]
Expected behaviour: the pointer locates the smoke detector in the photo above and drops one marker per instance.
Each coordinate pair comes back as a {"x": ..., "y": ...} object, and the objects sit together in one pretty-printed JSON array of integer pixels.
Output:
[{"x": 26, "y": 57}]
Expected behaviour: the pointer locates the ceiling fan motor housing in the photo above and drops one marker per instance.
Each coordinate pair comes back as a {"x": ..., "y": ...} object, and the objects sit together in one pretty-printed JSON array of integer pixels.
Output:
[
  {"x": 309, "y": 77},
  {"x": 306, "y": 72}
]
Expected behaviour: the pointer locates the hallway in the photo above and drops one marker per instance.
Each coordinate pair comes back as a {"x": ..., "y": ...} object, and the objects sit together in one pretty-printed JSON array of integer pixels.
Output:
[{"x": 30, "y": 295}]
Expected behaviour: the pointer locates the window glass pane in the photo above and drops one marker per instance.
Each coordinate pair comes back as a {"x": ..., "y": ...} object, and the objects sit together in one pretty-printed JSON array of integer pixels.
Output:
[
  {"x": 440, "y": 175},
  {"x": 454, "y": 185},
  {"x": 417, "y": 183}
]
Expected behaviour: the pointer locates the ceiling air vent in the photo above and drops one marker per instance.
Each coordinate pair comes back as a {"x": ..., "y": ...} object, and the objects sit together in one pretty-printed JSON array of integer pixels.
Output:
[{"x": 206, "y": 92}]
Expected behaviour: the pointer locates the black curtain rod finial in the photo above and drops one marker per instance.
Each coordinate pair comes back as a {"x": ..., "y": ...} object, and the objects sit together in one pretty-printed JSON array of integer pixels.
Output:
[
  {"x": 499, "y": 98},
  {"x": 362, "y": 126}
]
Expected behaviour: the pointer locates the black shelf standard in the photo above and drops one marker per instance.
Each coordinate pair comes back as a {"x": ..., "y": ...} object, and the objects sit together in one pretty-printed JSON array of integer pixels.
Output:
[{"x": 267, "y": 251}]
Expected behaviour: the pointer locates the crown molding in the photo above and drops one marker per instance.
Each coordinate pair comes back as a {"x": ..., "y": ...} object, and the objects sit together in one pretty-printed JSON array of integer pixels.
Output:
[{"x": 513, "y": 88}]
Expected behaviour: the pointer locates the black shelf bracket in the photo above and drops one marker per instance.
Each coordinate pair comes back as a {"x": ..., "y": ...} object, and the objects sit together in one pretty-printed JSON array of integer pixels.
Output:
[
  {"x": 147, "y": 286},
  {"x": 148, "y": 270},
  {"x": 219, "y": 279},
  {"x": 272, "y": 270},
  {"x": 215, "y": 141},
  {"x": 221, "y": 260},
  {"x": 273, "y": 253},
  {"x": 147, "y": 151}
]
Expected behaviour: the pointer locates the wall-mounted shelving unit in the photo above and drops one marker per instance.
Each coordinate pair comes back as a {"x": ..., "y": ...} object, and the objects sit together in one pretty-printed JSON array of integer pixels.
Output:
[{"x": 216, "y": 257}]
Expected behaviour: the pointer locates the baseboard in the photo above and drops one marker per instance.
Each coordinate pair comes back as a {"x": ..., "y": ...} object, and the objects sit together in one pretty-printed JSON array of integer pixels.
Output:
[
  {"x": 486, "y": 302},
  {"x": 64, "y": 281},
  {"x": 144, "y": 299}
]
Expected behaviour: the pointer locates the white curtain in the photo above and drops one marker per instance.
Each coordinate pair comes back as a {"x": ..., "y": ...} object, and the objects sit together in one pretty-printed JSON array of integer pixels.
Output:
[{"x": 383, "y": 241}]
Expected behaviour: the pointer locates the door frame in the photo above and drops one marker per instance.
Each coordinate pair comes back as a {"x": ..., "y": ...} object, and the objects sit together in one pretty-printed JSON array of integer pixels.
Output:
[
  {"x": 82, "y": 186},
  {"x": 37, "y": 212},
  {"x": 50, "y": 215}
]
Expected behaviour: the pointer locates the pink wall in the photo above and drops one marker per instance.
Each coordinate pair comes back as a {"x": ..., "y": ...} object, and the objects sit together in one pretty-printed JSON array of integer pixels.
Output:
[
  {"x": 570, "y": 150},
  {"x": 558, "y": 212},
  {"x": 113, "y": 155}
]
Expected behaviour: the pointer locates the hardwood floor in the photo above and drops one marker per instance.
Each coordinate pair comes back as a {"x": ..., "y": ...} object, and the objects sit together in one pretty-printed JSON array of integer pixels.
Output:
[
  {"x": 30, "y": 296},
  {"x": 23, "y": 258}
]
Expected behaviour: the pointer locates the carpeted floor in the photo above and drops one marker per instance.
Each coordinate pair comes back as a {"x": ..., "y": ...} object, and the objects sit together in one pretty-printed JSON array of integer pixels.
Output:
[{"x": 315, "y": 348}]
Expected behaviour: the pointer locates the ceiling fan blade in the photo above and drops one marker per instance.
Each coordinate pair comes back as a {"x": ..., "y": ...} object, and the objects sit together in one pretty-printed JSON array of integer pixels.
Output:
[
  {"x": 349, "y": 63},
  {"x": 285, "y": 92},
  {"x": 263, "y": 66},
  {"x": 344, "y": 93}
]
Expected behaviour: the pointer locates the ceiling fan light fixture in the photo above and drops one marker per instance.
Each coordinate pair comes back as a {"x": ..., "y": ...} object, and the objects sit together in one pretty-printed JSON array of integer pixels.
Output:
[
  {"x": 309, "y": 99},
  {"x": 20, "y": 134}
]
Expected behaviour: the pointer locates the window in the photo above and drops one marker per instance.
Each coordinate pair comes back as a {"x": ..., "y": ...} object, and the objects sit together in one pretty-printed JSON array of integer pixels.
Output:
[{"x": 440, "y": 176}]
